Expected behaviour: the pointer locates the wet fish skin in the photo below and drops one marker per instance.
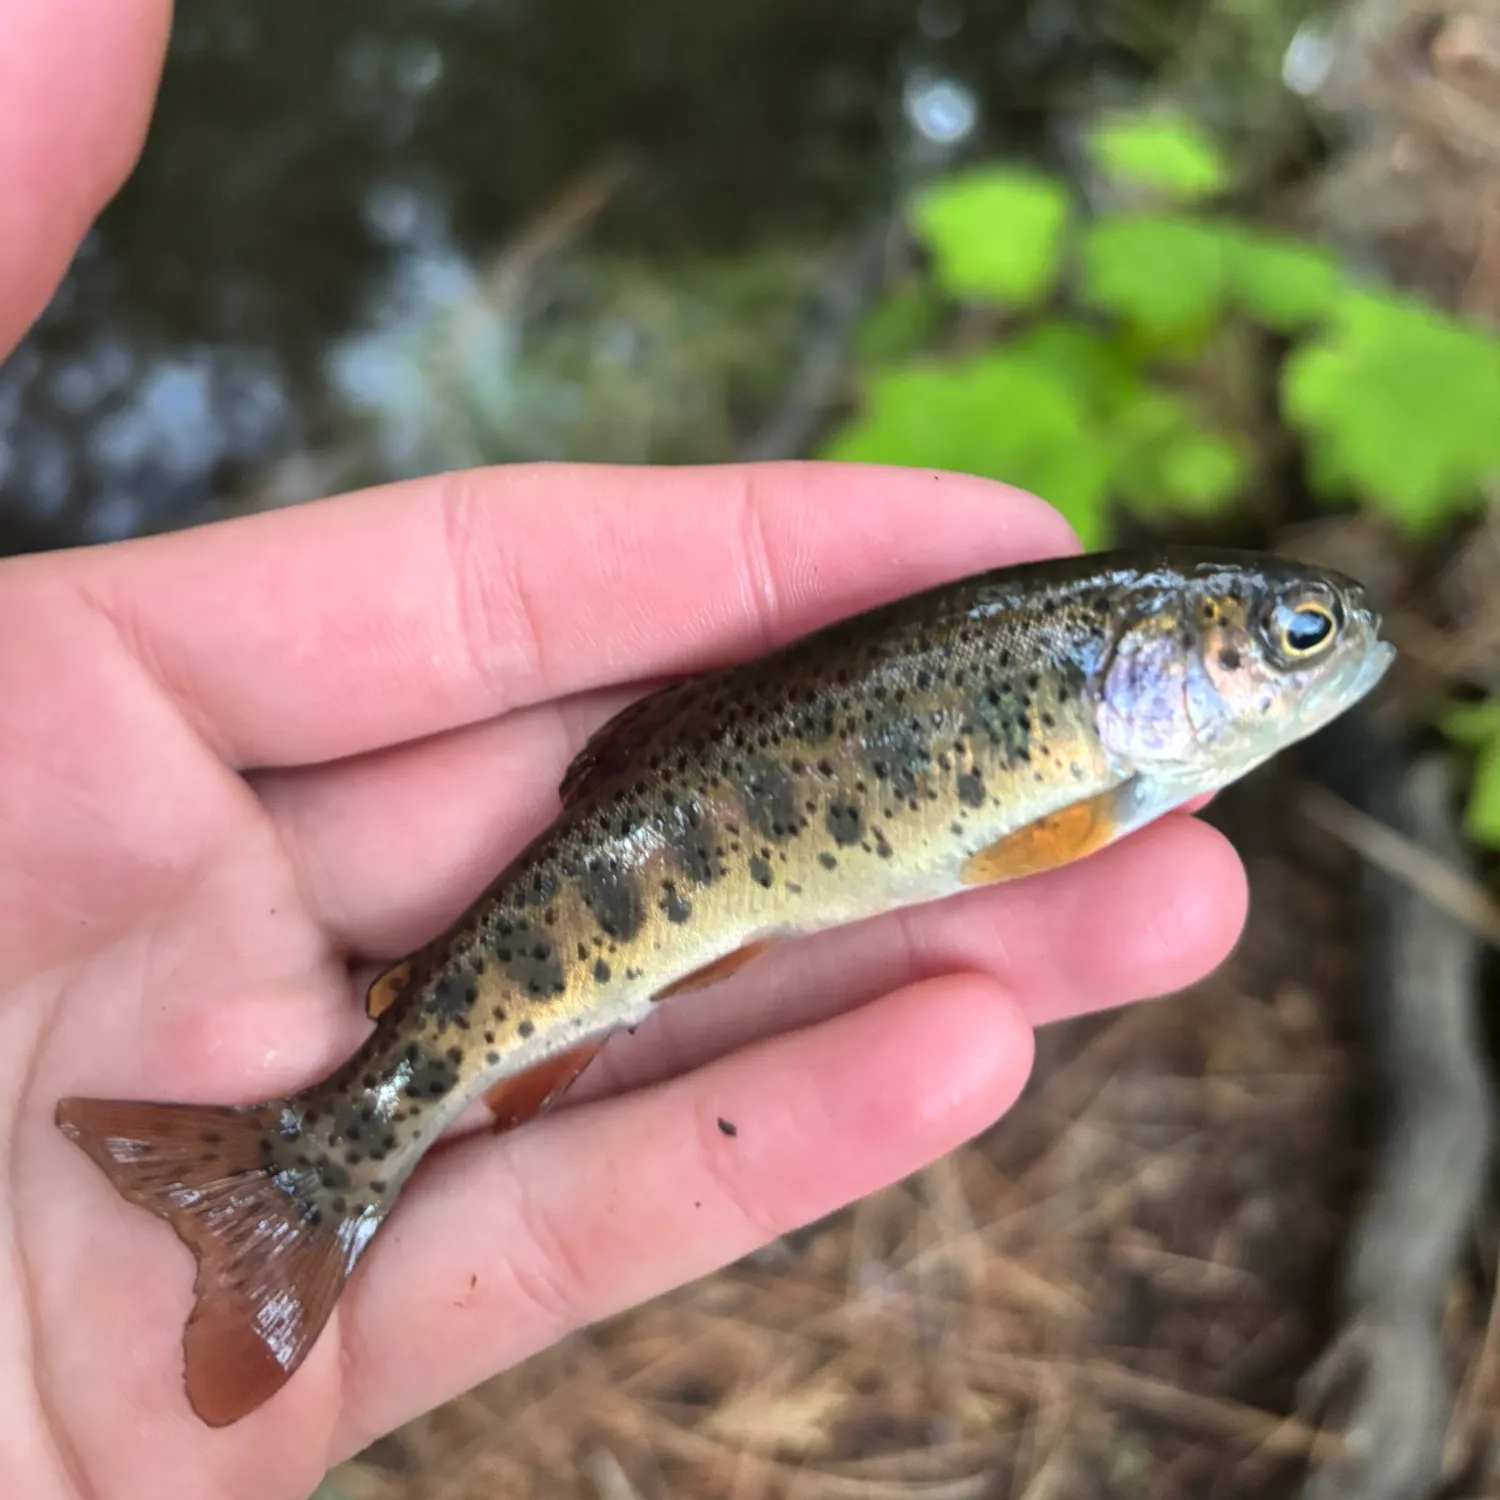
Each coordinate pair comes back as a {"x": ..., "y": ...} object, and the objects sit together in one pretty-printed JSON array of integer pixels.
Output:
[{"x": 993, "y": 727}]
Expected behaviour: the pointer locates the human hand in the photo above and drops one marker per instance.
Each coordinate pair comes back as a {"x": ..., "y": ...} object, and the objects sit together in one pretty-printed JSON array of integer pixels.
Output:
[{"x": 235, "y": 760}]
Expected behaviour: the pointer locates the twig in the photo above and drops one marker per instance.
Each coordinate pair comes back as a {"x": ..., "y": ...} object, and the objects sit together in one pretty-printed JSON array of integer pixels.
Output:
[
  {"x": 1420, "y": 988},
  {"x": 1401, "y": 857}
]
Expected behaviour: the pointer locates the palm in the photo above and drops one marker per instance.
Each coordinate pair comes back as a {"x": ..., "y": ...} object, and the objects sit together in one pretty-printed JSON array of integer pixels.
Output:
[
  {"x": 231, "y": 761},
  {"x": 144, "y": 894},
  {"x": 171, "y": 928}
]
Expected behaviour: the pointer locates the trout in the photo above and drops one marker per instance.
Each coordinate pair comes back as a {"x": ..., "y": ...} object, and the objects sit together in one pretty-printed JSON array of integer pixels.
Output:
[{"x": 1002, "y": 725}]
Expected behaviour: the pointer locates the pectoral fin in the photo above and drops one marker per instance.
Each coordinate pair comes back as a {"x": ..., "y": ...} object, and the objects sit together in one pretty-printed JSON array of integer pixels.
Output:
[{"x": 1058, "y": 839}]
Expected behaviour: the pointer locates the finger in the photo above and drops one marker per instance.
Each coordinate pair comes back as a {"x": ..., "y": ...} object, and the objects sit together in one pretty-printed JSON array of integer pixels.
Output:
[
  {"x": 504, "y": 1245},
  {"x": 390, "y": 847},
  {"x": 340, "y": 627},
  {"x": 77, "y": 80}
]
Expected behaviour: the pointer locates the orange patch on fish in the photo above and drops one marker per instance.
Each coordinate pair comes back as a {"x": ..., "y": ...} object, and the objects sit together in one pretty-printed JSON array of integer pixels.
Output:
[
  {"x": 386, "y": 989},
  {"x": 1047, "y": 844}
]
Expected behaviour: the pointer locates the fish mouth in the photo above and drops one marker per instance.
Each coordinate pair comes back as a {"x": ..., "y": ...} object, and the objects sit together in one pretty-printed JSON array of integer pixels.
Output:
[
  {"x": 1368, "y": 664},
  {"x": 1379, "y": 655}
]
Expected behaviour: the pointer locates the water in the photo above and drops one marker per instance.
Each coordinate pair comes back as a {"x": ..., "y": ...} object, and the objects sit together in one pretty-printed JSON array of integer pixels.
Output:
[{"x": 306, "y": 254}]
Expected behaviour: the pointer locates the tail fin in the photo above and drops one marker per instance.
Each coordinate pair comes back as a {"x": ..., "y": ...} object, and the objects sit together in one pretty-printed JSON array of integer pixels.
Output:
[{"x": 272, "y": 1257}]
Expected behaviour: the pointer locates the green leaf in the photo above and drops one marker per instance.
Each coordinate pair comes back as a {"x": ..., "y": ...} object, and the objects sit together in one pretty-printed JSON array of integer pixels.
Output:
[
  {"x": 995, "y": 416},
  {"x": 1472, "y": 724},
  {"x": 1401, "y": 406},
  {"x": 996, "y": 235},
  {"x": 898, "y": 326},
  {"x": 1283, "y": 284},
  {"x": 1482, "y": 816},
  {"x": 1166, "y": 463},
  {"x": 1165, "y": 275},
  {"x": 1202, "y": 473},
  {"x": 1088, "y": 363},
  {"x": 1167, "y": 153}
]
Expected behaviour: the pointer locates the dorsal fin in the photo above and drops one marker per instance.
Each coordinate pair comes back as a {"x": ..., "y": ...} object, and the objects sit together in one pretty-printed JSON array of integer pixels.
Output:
[{"x": 612, "y": 747}]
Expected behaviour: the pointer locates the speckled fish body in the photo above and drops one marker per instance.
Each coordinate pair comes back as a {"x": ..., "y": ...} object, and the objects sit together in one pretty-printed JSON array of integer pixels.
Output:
[{"x": 989, "y": 729}]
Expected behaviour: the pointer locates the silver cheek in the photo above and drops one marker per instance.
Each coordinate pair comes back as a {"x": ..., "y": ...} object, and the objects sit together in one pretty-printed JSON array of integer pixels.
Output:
[
  {"x": 1207, "y": 710},
  {"x": 1143, "y": 714}
]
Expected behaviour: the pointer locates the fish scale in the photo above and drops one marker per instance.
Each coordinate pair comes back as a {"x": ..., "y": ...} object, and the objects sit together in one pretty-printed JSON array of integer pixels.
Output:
[{"x": 982, "y": 731}]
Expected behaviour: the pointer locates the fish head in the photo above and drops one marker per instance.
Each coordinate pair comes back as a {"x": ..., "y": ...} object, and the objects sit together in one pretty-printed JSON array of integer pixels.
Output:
[{"x": 1215, "y": 666}]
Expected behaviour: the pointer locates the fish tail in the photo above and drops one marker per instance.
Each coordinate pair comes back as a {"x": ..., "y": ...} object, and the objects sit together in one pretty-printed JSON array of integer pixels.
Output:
[{"x": 272, "y": 1257}]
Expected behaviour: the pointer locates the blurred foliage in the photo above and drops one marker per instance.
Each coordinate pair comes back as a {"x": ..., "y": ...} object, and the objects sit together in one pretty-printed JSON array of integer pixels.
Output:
[
  {"x": 1476, "y": 726},
  {"x": 1013, "y": 267},
  {"x": 1402, "y": 406},
  {"x": 596, "y": 357},
  {"x": 1083, "y": 357},
  {"x": 1094, "y": 381},
  {"x": 1167, "y": 153}
]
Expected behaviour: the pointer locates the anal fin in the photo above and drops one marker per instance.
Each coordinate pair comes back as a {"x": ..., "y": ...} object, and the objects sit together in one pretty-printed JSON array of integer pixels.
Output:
[
  {"x": 513, "y": 1101},
  {"x": 1052, "y": 841}
]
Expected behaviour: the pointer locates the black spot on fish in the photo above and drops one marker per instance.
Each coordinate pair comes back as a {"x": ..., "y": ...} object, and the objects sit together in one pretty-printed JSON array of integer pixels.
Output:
[
  {"x": 771, "y": 802},
  {"x": 615, "y": 900},
  {"x": 541, "y": 888},
  {"x": 601, "y": 971},
  {"x": 760, "y": 871},
  {"x": 970, "y": 788},
  {"x": 846, "y": 823},
  {"x": 828, "y": 861},
  {"x": 899, "y": 754},
  {"x": 431, "y": 1077},
  {"x": 677, "y": 910},
  {"x": 332, "y": 1175},
  {"x": 525, "y": 1028},
  {"x": 694, "y": 845},
  {"x": 451, "y": 998},
  {"x": 1229, "y": 659},
  {"x": 537, "y": 968}
]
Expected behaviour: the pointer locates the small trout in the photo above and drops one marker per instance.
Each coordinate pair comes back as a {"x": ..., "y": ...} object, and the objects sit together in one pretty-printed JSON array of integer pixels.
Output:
[{"x": 1006, "y": 724}]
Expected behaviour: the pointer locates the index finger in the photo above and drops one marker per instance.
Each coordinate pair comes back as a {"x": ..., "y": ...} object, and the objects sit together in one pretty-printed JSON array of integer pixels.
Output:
[
  {"x": 76, "y": 84},
  {"x": 347, "y": 625}
]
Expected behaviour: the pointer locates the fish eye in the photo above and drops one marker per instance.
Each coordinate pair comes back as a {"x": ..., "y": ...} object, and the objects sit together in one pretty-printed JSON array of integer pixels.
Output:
[{"x": 1304, "y": 629}]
